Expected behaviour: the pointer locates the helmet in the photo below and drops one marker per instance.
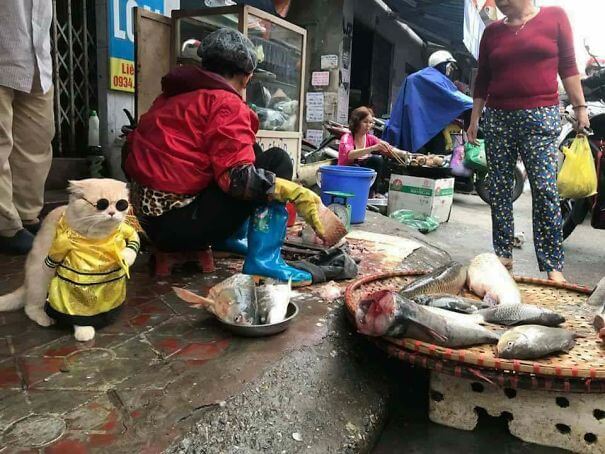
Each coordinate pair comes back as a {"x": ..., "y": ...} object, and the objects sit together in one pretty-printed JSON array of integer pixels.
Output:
[
  {"x": 439, "y": 57},
  {"x": 594, "y": 64}
]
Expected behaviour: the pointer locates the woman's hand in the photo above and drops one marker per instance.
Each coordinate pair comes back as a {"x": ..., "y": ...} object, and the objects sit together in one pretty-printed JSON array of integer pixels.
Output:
[
  {"x": 582, "y": 119},
  {"x": 382, "y": 147},
  {"x": 471, "y": 132}
]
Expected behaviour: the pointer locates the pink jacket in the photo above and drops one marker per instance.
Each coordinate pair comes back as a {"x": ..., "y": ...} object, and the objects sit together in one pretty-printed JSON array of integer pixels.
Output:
[{"x": 347, "y": 144}]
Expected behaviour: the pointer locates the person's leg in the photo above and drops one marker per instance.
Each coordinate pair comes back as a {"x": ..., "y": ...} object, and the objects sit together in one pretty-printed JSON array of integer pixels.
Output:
[
  {"x": 275, "y": 160},
  {"x": 501, "y": 150},
  {"x": 212, "y": 216},
  {"x": 377, "y": 164},
  {"x": 10, "y": 223},
  {"x": 30, "y": 160},
  {"x": 540, "y": 131}
]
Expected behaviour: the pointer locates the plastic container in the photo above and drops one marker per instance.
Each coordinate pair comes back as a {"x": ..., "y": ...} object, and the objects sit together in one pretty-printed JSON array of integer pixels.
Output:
[
  {"x": 93, "y": 130},
  {"x": 356, "y": 180}
]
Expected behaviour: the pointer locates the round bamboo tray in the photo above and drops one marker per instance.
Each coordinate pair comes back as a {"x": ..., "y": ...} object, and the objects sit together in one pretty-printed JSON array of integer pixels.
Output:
[{"x": 582, "y": 369}]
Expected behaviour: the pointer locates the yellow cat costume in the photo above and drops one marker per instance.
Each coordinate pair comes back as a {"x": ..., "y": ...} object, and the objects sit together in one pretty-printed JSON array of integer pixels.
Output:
[{"x": 89, "y": 285}]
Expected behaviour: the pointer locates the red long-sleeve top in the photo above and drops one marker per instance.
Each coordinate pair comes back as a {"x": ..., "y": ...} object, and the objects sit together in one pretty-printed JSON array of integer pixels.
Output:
[{"x": 518, "y": 66}]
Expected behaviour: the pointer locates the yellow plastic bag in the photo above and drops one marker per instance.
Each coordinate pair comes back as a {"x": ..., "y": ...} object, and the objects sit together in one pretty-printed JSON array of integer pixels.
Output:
[{"x": 578, "y": 176}]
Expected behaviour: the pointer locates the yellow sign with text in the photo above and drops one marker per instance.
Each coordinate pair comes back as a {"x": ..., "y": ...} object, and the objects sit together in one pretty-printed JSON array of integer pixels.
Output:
[{"x": 121, "y": 74}]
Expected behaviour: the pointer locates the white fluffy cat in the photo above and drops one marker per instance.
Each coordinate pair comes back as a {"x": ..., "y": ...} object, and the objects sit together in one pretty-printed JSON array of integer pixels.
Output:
[{"x": 85, "y": 219}]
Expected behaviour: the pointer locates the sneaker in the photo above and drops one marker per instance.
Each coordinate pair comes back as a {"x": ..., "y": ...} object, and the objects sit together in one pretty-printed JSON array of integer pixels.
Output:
[{"x": 19, "y": 244}]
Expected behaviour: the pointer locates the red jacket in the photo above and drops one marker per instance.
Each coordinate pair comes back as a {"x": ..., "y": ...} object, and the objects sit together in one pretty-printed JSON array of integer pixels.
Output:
[{"x": 195, "y": 131}]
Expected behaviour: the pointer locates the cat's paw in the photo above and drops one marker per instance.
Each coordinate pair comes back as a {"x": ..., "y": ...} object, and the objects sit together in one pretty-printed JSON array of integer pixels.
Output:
[
  {"x": 84, "y": 333},
  {"x": 129, "y": 256},
  {"x": 38, "y": 315}
]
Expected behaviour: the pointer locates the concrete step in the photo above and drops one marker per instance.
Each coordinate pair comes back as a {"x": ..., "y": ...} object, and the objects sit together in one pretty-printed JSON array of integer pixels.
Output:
[
  {"x": 64, "y": 169},
  {"x": 53, "y": 199}
]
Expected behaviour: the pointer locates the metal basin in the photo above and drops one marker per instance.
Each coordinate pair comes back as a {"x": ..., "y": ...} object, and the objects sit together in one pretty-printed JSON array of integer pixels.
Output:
[{"x": 263, "y": 330}]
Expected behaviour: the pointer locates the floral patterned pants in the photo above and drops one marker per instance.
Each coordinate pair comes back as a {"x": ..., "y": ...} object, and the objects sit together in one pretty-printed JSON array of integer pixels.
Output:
[{"x": 532, "y": 134}]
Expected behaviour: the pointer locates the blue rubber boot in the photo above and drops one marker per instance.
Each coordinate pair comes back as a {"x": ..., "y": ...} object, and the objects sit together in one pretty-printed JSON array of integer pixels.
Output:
[
  {"x": 236, "y": 243},
  {"x": 266, "y": 235}
]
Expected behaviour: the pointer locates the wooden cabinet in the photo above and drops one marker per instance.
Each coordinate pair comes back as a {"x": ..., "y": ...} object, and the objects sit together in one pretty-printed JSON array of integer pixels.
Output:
[{"x": 276, "y": 91}]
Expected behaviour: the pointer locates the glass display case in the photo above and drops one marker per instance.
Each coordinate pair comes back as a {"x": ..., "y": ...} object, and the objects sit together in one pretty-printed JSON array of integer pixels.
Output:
[{"x": 275, "y": 92}]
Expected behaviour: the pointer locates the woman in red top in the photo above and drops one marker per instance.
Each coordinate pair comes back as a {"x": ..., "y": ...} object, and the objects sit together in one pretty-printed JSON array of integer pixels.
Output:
[{"x": 519, "y": 60}]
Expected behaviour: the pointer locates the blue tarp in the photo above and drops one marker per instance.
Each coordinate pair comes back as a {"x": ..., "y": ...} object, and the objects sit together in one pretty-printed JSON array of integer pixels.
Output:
[{"x": 428, "y": 101}]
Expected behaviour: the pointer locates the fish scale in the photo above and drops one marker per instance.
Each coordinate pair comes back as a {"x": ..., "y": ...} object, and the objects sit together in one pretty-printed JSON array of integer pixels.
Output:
[
  {"x": 448, "y": 279},
  {"x": 521, "y": 314}
]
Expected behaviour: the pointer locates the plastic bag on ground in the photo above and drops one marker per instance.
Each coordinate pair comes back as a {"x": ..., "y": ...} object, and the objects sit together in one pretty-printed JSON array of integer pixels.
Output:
[
  {"x": 418, "y": 221},
  {"x": 578, "y": 176}
]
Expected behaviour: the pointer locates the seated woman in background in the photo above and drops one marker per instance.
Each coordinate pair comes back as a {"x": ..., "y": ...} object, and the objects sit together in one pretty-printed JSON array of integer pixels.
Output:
[{"x": 364, "y": 149}]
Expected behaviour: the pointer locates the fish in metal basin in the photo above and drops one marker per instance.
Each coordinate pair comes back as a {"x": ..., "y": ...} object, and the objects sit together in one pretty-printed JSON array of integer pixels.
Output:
[
  {"x": 387, "y": 313},
  {"x": 521, "y": 314},
  {"x": 597, "y": 299},
  {"x": 489, "y": 279},
  {"x": 451, "y": 303},
  {"x": 446, "y": 279},
  {"x": 534, "y": 341},
  {"x": 232, "y": 300},
  {"x": 272, "y": 299}
]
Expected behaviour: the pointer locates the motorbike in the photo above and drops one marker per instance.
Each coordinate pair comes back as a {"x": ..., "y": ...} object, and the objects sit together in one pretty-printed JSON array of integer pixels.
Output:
[{"x": 575, "y": 211}]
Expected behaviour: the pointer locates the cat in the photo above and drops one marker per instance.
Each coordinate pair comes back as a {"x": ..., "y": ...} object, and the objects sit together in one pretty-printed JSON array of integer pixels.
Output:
[{"x": 84, "y": 216}]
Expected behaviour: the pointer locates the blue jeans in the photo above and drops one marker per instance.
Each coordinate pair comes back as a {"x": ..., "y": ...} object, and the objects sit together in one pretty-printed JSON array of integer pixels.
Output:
[{"x": 531, "y": 134}]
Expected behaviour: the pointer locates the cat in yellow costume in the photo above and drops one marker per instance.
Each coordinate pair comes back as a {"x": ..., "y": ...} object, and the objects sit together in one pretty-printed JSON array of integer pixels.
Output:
[{"x": 76, "y": 272}]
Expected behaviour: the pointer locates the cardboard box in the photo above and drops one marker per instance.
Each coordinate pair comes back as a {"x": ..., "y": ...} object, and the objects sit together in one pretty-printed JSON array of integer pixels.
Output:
[{"x": 433, "y": 197}]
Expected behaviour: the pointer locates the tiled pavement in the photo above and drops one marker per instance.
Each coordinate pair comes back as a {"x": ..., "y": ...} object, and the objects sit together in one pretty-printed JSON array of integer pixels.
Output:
[
  {"x": 133, "y": 385},
  {"x": 139, "y": 384}
]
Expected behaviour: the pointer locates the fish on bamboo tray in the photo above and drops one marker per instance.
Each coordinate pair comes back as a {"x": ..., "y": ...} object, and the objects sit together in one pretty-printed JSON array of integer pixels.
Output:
[{"x": 585, "y": 360}]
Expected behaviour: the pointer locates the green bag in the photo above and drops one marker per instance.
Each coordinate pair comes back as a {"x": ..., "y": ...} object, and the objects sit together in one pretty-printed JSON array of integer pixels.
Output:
[
  {"x": 474, "y": 156},
  {"x": 418, "y": 221}
]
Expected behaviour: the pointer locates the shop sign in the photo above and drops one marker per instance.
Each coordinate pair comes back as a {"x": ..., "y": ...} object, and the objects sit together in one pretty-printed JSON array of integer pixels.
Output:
[{"x": 121, "y": 40}]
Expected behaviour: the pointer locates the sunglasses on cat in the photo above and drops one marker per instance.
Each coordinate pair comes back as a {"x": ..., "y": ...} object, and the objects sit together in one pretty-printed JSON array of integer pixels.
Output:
[{"x": 103, "y": 204}]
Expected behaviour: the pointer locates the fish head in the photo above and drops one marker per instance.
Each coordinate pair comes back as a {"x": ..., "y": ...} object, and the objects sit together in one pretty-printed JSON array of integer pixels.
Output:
[
  {"x": 513, "y": 344},
  {"x": 375, "y": 313}
]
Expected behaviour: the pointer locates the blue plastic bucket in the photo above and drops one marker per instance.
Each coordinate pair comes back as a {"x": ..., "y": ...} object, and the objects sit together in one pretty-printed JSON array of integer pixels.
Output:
[{"x": 356, "y": 180}]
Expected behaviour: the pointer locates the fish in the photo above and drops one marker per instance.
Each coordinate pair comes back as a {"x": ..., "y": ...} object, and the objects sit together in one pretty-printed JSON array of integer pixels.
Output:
[
  {"x": 597, "y": 299},
  {"x": 534, "y": 341},
  {"x": 387, "y": 313},
  {"x": 232, "y": 300},
  {"x": 520, "y": 314},
  {"x": 451, "y": 303},
  {"x": 272, "y": 299},
  {"x": 446, "y": 279},
  {"x": 489, "y": 279}
]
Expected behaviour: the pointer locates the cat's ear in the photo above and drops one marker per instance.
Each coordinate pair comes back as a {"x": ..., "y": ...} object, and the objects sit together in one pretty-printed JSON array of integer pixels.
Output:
[{"x": 76, "y": 188}]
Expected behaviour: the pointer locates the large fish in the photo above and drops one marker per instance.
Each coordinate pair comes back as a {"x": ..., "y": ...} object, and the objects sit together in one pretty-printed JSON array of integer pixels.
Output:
[
  {"x": 451, "y": 303},
  {"x": 489, "y": 279},
  {"x": 534, "y": 341},
  {"x": 232, "y": 300},
  {"x": 521, "y": 314},
  {"x": 387, "y": 313},
  {"x": 446, "y": 279},
  {"x": 597, "y": 299}
]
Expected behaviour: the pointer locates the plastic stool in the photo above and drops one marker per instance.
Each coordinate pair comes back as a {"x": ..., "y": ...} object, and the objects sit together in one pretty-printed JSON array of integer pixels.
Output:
[{"x": 165, "y": 261}]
